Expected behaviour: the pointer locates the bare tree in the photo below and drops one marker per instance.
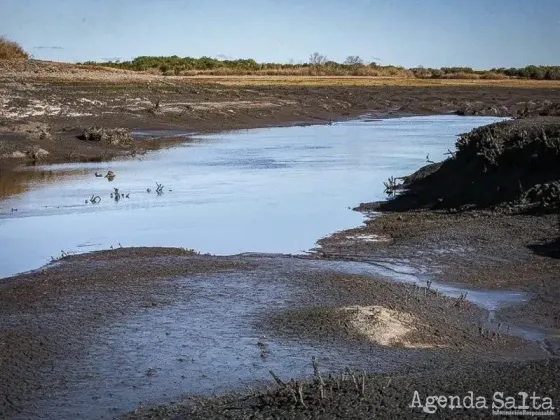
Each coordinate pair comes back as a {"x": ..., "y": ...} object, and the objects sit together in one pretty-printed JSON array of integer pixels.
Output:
[
  {"x": 317, "y": 59},
  {"x": 354, "y": 60}
]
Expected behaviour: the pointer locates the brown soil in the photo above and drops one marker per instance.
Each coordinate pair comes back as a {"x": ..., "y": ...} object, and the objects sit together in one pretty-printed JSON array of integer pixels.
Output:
[
  {"x": 41, "y": 118},
  {"x": 382, "y": 396},
  {"x": 50, "y": 316},
  {"x": 510, "y": 166}
]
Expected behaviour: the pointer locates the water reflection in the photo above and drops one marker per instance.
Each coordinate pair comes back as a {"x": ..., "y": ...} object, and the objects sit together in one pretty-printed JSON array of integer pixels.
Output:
[{"x": 19, "y": 181}]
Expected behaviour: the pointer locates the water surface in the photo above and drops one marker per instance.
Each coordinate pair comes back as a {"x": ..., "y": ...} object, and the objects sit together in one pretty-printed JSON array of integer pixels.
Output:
[{"x": 274, "y": 190}]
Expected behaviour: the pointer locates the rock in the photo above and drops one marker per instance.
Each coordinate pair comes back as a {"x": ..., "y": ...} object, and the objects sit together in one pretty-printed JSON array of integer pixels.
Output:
[{"x": 111, "y": 136}]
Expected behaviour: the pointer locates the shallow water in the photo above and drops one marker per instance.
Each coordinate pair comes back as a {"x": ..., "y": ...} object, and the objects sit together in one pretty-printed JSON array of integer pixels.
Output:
[{"x": 264, "y": 190}]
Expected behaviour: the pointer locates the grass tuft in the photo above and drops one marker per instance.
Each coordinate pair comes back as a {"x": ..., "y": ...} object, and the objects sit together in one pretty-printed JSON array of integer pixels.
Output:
[{"x": 10, "y": 49}]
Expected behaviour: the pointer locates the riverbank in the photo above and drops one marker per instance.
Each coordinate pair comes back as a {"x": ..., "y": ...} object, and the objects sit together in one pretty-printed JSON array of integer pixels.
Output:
[
  {"x": 43, "y": 119},
  {"x": 486, "y": 217}
]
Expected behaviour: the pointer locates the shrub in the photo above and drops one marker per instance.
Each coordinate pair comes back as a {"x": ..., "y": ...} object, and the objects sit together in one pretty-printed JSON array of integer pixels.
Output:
[
  {"x": 320, "y": 65},
  {"x": 492, "y": 75},
  {"x": 10, "y": 49},
  {"x": 460, "y": 75}
]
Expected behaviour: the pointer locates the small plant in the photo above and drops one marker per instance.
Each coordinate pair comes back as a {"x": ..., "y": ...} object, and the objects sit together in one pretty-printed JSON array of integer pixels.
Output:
[
  {"x": 318, "y": 376},
  {"x": 116, "y": 195},
  {"x": 391, "y": 186},
  {"x": 462, "y": 299},
  {"x": 62, "y": 255},
  {"x": 450, "y": 154},
  {"x": 159, "y": 189},
  {"x": 428, "y": 285},
  {"x": 417, "y": 292}
]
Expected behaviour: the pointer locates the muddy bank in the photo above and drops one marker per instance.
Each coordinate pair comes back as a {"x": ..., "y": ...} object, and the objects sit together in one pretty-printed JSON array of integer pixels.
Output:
[
  {"x": 130, "y": 327},
  {"x": 42, "y": 121},
  {"x": 490, "y": 209},
  {"x": 485, "y": 217},
  {"x": 511, "y": 166},
  {"x": 354, "y": 395}
]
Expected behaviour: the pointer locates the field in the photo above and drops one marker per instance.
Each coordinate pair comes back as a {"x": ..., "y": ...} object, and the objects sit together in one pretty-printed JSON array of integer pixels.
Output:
[
  {"x": 364, "y": 81},
  {"x": 45, "y": 71}
]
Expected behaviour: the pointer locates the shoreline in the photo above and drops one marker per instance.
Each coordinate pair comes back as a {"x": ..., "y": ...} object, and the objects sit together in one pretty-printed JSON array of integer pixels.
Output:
[{"x": 40, "y": 121}]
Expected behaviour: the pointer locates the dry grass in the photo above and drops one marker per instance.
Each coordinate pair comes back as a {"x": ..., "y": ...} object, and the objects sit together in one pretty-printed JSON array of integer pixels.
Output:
[
  {"x": 36, "y": 70},
  {"x": 364, "y": 81},
  {"x": 11, "y": 50}
]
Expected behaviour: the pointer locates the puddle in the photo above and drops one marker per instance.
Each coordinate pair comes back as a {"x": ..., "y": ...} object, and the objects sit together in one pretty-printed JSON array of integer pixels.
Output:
[{"x": 274, "y": 190}]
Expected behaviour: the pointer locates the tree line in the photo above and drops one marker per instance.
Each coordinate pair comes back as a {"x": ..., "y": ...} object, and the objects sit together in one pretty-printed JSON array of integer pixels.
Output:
[{"x": 319, "y": 64}]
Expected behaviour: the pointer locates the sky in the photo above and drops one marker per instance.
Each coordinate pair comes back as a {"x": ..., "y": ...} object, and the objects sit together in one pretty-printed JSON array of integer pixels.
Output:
[{"x": 433, "y": 33}]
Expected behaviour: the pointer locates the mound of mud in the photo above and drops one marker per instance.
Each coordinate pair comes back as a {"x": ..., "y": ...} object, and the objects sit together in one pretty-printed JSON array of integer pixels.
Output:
[
  {"x": 112, "y": 136},
  {"x": 510, "y": 166}
]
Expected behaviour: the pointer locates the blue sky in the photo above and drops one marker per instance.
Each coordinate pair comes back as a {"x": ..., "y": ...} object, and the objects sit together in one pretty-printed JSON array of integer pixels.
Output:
[{"x": 476, "y": 33}]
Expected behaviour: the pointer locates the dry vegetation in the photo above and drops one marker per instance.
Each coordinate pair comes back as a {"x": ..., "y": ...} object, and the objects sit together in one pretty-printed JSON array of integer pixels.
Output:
[
  {"x": 318, "y": 71},
  {"x": 363, "y": 81},
  {"x": 11, "y": 50},
  {"x": 320, "y": 65}
]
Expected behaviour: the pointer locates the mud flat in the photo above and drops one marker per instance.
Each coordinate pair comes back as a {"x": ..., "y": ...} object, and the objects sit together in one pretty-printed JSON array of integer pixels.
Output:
[
  {"x": 99, "y": 334},
  {"x": 486, "y": 217}
]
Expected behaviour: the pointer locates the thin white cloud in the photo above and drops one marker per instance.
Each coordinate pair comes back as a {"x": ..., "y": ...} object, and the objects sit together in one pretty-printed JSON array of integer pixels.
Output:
[{"x": 45, "y": 47}]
